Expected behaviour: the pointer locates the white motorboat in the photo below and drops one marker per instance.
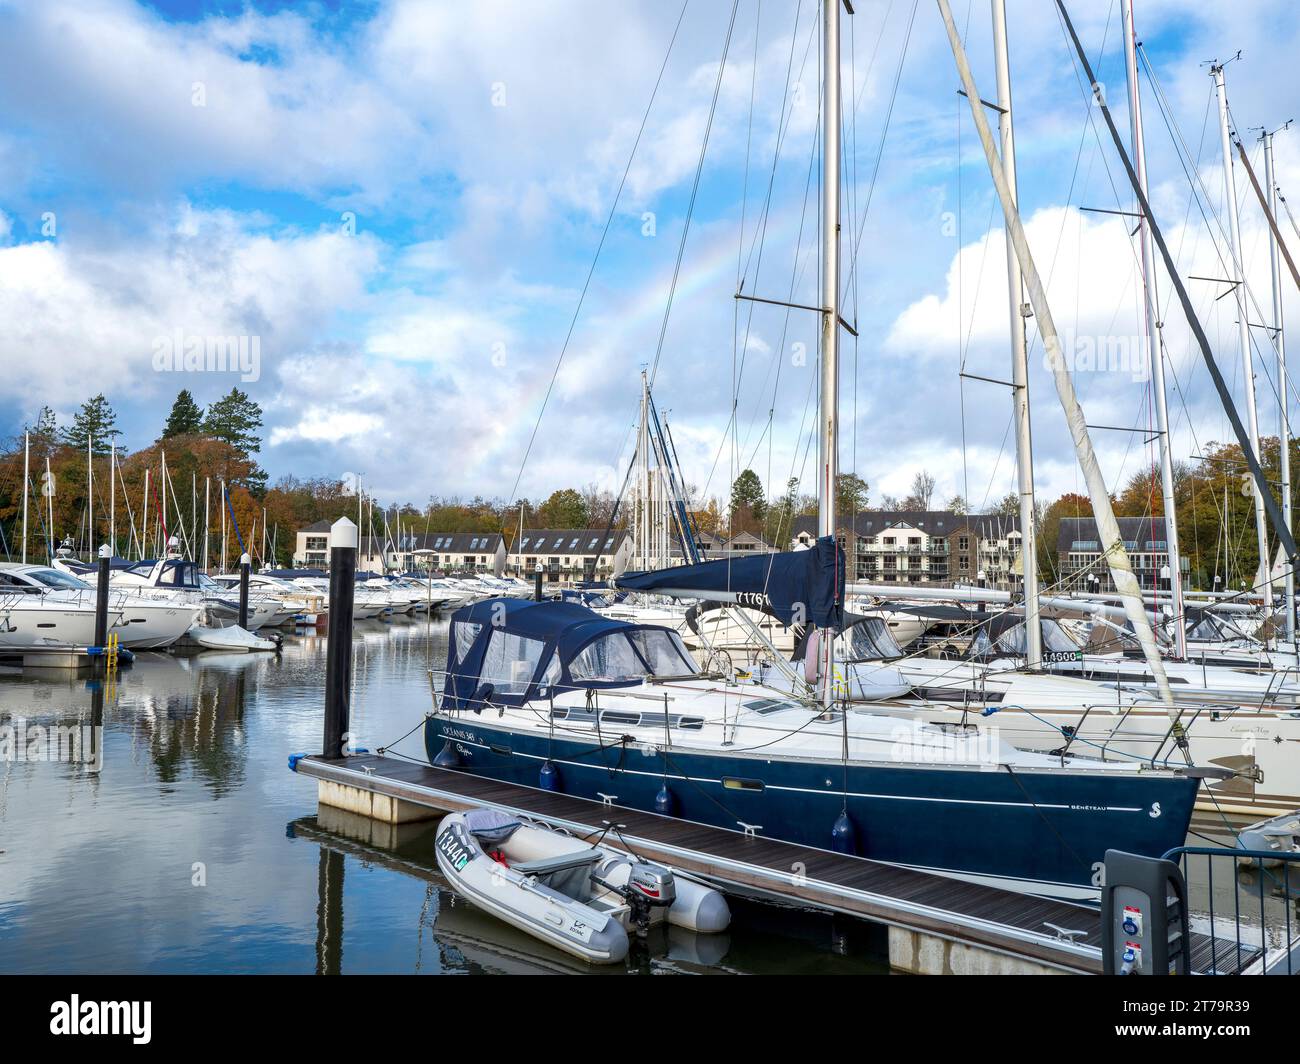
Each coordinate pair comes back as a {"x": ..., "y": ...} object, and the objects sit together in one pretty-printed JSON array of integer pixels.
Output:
[
  {"x": 49, "y": 607},
  {"x": 295, "y": 604},
  {"x": 181, "y": 583}
]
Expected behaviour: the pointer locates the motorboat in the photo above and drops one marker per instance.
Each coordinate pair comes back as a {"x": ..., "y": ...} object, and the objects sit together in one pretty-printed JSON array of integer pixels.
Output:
[
  {"x": 296, "y": 605},
  {"x": 48, "y": 607},
  {"x": 180, "y": 582}
]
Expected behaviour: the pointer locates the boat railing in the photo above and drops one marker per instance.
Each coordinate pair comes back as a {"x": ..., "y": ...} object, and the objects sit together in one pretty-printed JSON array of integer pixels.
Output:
[{"x": 1252, "y": 905}]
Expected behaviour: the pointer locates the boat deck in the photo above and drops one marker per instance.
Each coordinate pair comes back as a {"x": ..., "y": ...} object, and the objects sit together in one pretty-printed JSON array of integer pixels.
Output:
[{"x": 1054, "y": 934}]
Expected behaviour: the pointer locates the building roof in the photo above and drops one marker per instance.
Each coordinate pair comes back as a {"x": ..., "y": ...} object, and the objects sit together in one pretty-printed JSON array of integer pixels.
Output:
[
  {"x": 873, "y": 522},
  {"x": 590, "y": 542},
  {"x": 322, "y": 525},
  {"x": 1144, "y": 535},
  {"x": 995, "y": 526},
  {"x": 442, "y": 542},
  {"x": 712, "y": 541}
]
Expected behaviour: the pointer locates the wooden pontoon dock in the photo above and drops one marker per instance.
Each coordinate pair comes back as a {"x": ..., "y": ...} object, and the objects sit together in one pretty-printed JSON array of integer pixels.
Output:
[{"x": 937, "y": 924}]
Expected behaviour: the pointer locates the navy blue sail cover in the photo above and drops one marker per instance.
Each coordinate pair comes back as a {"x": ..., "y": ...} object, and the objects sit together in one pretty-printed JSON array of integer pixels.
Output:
[
  {"x": 509, "y": 651},
  {"x": 799, "y": 587}
]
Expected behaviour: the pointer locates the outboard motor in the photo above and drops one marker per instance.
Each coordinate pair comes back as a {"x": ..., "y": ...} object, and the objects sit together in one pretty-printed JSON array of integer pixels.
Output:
[{"x": 649, "y": 886}]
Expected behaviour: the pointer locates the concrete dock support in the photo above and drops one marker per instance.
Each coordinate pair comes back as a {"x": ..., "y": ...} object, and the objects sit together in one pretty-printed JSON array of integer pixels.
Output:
[
  {"x": 918, "y": 953},
  {"x": 381, "y": 807}
]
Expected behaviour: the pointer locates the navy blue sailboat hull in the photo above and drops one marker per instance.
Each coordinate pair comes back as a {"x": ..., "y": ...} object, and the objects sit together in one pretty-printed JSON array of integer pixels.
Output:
[{"x": 1043, "y": 832}]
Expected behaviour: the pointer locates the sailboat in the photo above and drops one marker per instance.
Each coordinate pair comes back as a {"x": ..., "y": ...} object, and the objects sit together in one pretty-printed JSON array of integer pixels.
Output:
[{"x": 552, "y": 694}]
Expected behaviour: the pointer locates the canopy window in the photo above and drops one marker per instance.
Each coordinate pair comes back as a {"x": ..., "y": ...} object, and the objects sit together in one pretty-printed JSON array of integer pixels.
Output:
[{"x": 510, "y": 662}]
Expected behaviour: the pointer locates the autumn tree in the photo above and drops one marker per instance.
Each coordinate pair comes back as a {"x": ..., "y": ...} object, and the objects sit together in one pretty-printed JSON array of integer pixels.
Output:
[{"x": 565, "y": 508}]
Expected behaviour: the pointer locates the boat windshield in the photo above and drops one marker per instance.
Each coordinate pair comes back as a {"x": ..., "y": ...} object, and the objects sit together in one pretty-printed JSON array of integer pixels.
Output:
[
  {"x": 1013, "y": 641},
  {"x": 63, "y": 581},
  {"x": 870, "y": 640},
  {"x": 624, "y": 656}
]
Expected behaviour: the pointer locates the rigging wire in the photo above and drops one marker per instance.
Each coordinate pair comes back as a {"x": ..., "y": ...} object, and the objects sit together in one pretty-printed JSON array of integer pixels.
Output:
[{"x": 600, "y": 245}]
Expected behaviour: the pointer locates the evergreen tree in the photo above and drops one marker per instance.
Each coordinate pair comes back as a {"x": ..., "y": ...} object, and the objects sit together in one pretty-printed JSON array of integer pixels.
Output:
[
  {"x": 235, "y": 419},
  {"x": 186, "y": 417},
  {"x": 95, "y": 421},
  {"x": 46, "y": 428},
  {"x": 747, "y": 494}
]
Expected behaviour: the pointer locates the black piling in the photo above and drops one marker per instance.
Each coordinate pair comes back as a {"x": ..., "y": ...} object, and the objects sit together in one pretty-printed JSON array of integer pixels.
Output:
[
  {"x": 338, "y": 654},
  {"x": 537, "y": 583},
  {"x": 101, "y": 609},
  {"x": 245, "y": 571}
]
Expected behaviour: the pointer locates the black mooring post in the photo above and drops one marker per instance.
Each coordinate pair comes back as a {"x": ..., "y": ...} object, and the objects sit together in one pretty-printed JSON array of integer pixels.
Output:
[
  {"x": 338, "y": 653},
  {"x": 245, "y": 570},
  {"x": 537, "y": 583},
  {"x": 101, "y": 607}
]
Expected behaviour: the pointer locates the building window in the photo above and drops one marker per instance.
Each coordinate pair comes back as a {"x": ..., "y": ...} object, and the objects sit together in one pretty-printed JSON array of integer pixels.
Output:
[{"x": 963, "y": 542}]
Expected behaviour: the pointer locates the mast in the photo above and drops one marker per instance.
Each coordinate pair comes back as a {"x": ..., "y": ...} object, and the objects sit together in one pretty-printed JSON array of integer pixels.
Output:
[
  {"x": 207, "y": 518},
  {"x": 112, "y": 498},
  {"x": 144, "y": 516},
  {"x": 643, "y": 503},
  {"x": 27, "y": 486},
  {"x": 828, "y": 436},
  {"x": 90, "y": 495},
  {"x": 224, "y": 503},
  {"x": 1284, "y": 418},
  {"x": 49, "y": 497},
  {"x": 1155, "y": 354},
  {"x": 1264, "y": 578},
  {"x": 1019, "y": 355},
  {"x": 1108, "y": 528}
]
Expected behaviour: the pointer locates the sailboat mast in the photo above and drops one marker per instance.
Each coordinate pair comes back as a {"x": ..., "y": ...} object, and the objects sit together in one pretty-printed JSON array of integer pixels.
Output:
[
  {"x": 828, "y": 404},
  {"x": 112, "y": 498},
  {"x": 1264, "y": 580},
  {"x": 144, "y": 516},
  {"x": 643, "y": 508},
  {"x": 207, "y": 518},
  {"x": 828, "y": 440},
  {"x": 1019, "y": 355},
  {"x": 1155, "y": 354},
  {"x": 49, "y": 495},
  {"x": 1284, "y": 417},
  {"x": 90, "y": 495},
  {"x": 1107, "y": 527},
  {"x": 27, "y": 486}
]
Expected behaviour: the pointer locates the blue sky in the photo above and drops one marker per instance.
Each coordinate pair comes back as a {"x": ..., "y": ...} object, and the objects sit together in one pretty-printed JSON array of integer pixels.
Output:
[{"x": 401, "y": 202}]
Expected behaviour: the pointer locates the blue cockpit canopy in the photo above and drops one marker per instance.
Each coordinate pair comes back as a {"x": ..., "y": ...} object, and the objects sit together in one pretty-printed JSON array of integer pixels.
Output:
[{"x": 508, "y": 651}]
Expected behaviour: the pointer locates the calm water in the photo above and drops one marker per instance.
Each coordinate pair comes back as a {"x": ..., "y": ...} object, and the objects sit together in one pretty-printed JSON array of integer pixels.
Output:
[{"x": 192, "y": 848}]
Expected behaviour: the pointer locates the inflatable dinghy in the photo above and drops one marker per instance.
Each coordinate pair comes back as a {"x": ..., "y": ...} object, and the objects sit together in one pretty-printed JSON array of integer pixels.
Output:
[{"x": 580, "y": 898}]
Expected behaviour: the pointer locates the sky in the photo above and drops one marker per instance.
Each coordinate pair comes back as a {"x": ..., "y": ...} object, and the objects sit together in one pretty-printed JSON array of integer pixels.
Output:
[{"x": 396, "y": 207}]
